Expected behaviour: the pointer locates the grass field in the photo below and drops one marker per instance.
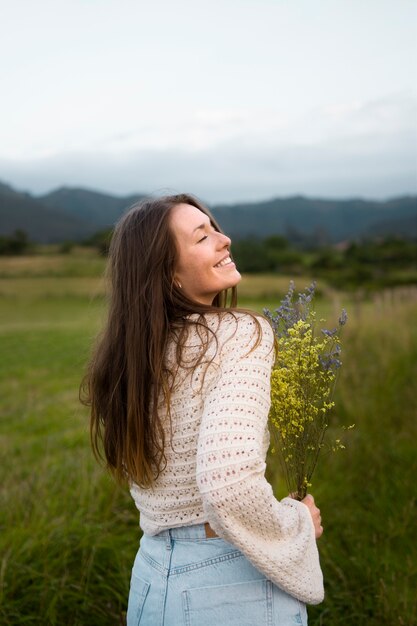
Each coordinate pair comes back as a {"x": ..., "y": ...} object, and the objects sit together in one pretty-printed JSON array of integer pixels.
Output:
[{"x": 68, "y": 536}]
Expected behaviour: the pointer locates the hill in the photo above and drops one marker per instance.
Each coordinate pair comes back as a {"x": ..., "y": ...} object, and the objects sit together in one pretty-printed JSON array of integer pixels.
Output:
[
  {"x": 101, "y": 209},
  {"x": 74, "y": 214},
  {"x": 326, "y": 221},
  {"x": 42, "y": 223}
]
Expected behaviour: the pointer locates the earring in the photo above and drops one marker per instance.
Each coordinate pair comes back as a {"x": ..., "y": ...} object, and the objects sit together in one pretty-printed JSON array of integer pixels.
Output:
[{"x": 179, "y": 284}]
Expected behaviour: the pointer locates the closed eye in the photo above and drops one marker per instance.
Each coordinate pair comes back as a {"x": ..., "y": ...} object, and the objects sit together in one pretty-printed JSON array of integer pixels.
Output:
[{"x": 202, "y": 239}]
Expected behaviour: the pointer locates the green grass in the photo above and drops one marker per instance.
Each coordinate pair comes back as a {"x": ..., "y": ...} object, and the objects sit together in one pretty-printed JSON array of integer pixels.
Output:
[
  {"x": 81, "y": 262},
  {"x": 68, "y": 536},
  {"x": 369, "y": 504},
  {"x": 63, "y": 559}
]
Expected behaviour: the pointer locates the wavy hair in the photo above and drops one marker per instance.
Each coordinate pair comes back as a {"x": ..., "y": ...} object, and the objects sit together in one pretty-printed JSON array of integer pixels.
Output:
[{"x": 126, "y": 373}]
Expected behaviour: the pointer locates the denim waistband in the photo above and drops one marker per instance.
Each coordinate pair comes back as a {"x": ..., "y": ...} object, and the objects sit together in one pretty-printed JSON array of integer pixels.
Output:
[{"x": 196, "y": 531}]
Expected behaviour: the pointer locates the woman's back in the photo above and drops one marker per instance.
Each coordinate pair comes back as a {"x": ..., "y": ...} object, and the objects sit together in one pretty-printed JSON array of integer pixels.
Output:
[
  {"x": 215, "y": 473},
  {"x": 176, "y": 500}
]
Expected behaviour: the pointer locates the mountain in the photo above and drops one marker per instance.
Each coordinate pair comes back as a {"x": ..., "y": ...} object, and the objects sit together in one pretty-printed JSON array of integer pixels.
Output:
[
  {"x": 74, "y": 214},
  {"x": 331, "y": 220},
  {"x": 405, "y": 227},
  {"x": 101, "y": 209},
  {"x": 42, "y": 223}
]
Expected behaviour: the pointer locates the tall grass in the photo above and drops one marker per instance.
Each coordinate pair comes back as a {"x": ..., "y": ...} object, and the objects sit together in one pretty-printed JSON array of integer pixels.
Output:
[
  {"x": 68, "y": 536},
  {"x": 367, "y": 492}
]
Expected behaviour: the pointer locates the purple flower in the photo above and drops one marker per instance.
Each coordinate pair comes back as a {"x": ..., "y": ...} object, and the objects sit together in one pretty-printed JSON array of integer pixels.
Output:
[
  {"x": 329, "y": 333},
  {"x": 290, "y": 311},
  {"x": 343, "y": 318}
]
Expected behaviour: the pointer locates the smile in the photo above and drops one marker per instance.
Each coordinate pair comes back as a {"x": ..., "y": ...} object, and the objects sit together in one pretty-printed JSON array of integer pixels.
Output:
[{"x": 226, "y": 261}]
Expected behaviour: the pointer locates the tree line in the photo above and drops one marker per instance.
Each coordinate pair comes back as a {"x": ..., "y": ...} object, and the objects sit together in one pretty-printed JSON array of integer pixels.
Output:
[
  {"x": 374, "y": 263},
  {"x": 16, "y": 244}
]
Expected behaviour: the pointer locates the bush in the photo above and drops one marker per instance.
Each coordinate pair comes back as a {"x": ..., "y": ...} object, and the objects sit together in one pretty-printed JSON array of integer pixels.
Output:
[{"x": 15, "y": 244}]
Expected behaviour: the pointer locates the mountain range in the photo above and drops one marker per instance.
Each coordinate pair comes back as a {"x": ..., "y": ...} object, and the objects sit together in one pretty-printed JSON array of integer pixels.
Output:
[{"x": 75, "y": 214}]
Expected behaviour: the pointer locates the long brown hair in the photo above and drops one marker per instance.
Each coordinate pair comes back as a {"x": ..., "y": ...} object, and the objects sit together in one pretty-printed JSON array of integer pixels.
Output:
[{"x": 126, "y": 372}]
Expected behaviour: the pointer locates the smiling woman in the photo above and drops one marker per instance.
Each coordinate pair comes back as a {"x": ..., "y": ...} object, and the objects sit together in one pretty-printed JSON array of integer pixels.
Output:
[
  {"x": 179, "y": 388},
  {"x": 204, "y": 266}
]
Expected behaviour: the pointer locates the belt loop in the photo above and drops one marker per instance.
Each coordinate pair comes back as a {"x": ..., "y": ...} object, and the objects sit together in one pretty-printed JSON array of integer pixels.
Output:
[
  {"x": 168, "y": 540},
  {"x": 209, "y": 531}
]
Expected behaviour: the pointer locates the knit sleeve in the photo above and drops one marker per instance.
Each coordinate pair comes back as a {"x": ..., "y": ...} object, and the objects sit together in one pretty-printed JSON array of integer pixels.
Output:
[{"x": 276, "y": 536}]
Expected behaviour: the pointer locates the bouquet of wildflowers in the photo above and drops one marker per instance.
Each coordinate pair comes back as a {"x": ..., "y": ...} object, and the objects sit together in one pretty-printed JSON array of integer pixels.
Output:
[{"x": 302, "y": 385}]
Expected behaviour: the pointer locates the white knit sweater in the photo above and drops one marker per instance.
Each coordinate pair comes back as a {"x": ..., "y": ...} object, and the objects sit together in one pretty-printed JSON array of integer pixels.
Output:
[{"x": 216, "y": 464}]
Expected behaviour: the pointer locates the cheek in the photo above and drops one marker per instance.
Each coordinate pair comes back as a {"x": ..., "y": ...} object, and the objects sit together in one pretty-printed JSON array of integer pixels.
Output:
[
  {"x": 197, "y": 275},
  {"x": 200, "y": 273},
  {"x": 197, "y": 271},
  {"x": 197, "y": 263}
]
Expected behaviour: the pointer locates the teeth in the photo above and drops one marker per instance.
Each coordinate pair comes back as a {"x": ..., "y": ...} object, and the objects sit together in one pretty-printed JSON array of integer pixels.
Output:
[{"x": 225, "y": 261}]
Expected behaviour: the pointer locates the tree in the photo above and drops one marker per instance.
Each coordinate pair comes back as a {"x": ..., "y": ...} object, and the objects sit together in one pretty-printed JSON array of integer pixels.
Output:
[{"x": 14, "y": 244}]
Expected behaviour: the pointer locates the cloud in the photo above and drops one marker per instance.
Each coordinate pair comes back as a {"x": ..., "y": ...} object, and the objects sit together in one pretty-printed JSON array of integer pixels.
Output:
[{"x": 343, "y": 150}]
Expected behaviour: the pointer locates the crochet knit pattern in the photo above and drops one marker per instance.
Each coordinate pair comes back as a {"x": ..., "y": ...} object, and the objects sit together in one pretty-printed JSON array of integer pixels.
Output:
[{"x": 215, "y": 449}]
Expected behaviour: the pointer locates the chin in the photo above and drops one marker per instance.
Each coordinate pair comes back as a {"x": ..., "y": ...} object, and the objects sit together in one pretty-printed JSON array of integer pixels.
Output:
[
  {"x": 237, "y": 279},
  {"x": 233, "y": 283}
]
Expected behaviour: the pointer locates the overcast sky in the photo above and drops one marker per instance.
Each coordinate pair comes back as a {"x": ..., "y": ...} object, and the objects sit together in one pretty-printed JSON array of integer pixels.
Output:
[{"x": 228, "y": 99}]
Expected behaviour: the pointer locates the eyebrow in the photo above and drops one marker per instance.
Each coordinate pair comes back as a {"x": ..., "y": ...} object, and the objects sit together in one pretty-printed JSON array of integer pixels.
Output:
[{"x": 203, "y": 226}]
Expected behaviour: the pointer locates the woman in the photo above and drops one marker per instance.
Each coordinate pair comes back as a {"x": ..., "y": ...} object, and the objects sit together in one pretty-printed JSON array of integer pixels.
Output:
[{"x": 179, "y": 394}]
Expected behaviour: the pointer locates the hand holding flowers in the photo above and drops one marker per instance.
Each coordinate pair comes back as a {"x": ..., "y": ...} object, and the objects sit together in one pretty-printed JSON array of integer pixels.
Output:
[{"x": 315, "y": 514}]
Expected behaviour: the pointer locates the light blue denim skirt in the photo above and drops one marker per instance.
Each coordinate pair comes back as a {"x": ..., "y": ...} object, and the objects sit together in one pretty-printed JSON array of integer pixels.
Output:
[{"x": 182, "y": 578}]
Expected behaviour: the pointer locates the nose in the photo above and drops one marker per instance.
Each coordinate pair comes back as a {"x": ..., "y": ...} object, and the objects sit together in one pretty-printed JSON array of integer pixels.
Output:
[{"x": 225, "y": 240}]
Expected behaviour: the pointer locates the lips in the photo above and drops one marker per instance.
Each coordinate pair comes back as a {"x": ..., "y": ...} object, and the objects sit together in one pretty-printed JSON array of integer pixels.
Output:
[{"x": 225, "y": 261}]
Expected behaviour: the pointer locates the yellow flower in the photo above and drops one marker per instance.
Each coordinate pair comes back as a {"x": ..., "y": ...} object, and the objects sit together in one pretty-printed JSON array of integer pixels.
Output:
[{"x": 302, "y": 385}]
